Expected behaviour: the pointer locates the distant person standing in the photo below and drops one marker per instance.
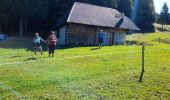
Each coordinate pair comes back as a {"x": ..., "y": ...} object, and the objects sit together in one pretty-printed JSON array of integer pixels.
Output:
[
  {"x": 52, "y": 40},
  {"x": 37, "y": 43},
  {"x": 100, "y": 38}
]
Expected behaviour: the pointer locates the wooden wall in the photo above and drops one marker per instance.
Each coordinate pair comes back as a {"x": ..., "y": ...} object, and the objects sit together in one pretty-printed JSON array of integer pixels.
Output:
[
  {"x": 81, "y": 34},
  {"x": 78, "y": 34}
]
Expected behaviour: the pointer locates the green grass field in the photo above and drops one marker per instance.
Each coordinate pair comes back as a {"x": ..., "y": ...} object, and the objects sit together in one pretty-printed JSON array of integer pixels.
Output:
[{"x": 86, "y": 73}]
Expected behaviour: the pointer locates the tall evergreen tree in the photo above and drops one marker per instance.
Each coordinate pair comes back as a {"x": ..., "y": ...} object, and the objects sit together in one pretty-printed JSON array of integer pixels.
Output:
[
  {"x": 164, "y": 16},
  {"x": 125, "y": 6},
  {"x": 105, "y": 3},
  {"x": 37, "y": 15},
  {"x": 146, "y": 15},
  {"x": 169, "y": 19},
  {"x": 22, "y": 10},
  {"x": 59, "y": 7},
  {"x": 2, "y": 14}
]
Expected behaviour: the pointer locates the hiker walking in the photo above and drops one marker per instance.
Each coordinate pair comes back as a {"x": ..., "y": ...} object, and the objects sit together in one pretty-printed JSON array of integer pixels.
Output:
[
  {"x": 52, "y": 40},
  {"x": 100, "y": 38},
  {"x": 37, "y": 43}
]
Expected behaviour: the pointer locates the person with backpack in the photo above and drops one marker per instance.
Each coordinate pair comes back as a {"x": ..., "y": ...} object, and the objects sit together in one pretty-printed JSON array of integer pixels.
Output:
[
  {"x": 52, "y": 40},
  {"x": 100, "y": 38},
  {"x": 37, "y": 43}
]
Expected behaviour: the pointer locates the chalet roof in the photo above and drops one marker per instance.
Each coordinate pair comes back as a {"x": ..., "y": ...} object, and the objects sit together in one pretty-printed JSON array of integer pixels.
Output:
[{"x": 88, "y": 14}]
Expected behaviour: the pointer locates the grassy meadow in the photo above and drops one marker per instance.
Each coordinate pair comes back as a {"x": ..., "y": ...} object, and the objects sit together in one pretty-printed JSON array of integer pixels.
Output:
[{"x": 86, "y": 73}]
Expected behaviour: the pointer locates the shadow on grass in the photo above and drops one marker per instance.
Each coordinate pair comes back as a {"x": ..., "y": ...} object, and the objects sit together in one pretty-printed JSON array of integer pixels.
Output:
[
  {"x": 20, "y": 43},
  {"x": 16, "y": 56},
  {"x": 27, "y": 44},
  {"x": 30, "y": 59},
  {"x": 59, "y": 47},
  {"x": 74, "y": 46},
  {"x": 94, "y": 48},
  {"x": 131, "y": 42}
]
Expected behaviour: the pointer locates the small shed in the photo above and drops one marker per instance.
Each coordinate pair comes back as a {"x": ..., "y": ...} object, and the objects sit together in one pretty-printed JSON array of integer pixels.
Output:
[{"x": 83, "y": 22}]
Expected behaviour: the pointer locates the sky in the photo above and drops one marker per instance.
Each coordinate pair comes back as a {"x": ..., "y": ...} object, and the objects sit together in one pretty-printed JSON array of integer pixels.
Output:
[{"x": 159, "y": 4}]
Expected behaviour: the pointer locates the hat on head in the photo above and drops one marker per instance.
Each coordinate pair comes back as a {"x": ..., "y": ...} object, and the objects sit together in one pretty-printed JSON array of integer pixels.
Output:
[
  {"x": 36, "y": 33},
  {"x": 52, "y": 32}
]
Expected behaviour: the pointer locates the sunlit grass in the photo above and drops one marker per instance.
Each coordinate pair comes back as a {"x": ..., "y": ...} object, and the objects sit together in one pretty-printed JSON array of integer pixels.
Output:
[{"x": 100, "y": 77}]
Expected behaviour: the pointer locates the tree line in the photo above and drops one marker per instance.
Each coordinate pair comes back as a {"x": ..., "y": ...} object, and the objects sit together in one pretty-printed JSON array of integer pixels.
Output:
[
  {"x": 164, "y": 16},
  {"x": 28, "y": 16}
]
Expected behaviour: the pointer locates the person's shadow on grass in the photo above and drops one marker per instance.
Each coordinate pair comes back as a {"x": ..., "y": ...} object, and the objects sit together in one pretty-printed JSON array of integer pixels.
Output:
[
  {"x": 16, "y": 56},
  {"x": 30, "y": 59},
  {"x": 94, "y": 48}
]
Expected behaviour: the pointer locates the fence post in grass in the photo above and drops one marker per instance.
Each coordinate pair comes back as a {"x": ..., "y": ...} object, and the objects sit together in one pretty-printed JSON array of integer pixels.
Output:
[{"x": 143, "y": 62}]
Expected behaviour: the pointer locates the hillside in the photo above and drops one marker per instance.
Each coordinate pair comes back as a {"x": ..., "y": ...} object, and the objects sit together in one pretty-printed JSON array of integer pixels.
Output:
[
  {"x": 86, "y": 72},
  {"x": 153, "y": 39},
  {"x": 158, "y": 27}
]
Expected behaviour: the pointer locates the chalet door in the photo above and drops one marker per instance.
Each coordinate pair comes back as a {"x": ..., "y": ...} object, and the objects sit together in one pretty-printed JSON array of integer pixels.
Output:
[
  {"x": 107, "y": 39},
  {"x": 113, "y": 38},
  {"x": 61, "y": 36}
]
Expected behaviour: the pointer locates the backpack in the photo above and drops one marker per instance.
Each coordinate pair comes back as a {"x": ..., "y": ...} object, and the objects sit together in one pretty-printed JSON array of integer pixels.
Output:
[
  {"x": 37, "y": 39},
  {"x": 52, "y": 39}
]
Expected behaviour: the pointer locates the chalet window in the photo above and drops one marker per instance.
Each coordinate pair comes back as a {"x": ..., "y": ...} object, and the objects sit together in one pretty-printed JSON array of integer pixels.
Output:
[{"x": 118, "y": 16}]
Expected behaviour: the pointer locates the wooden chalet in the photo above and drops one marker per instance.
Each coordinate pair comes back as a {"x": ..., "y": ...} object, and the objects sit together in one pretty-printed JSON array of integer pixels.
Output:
[{"x": 81, "y": 25}]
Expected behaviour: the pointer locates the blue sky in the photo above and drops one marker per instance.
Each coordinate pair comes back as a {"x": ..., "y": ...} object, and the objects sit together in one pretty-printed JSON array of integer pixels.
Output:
[{"x": 159, "y": 4}]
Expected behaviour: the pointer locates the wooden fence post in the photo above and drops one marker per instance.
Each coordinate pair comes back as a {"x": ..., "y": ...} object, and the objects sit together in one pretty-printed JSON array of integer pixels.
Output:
[
  {"x": 159, "y": 39},
  {"x": 143, "y": 62}
]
